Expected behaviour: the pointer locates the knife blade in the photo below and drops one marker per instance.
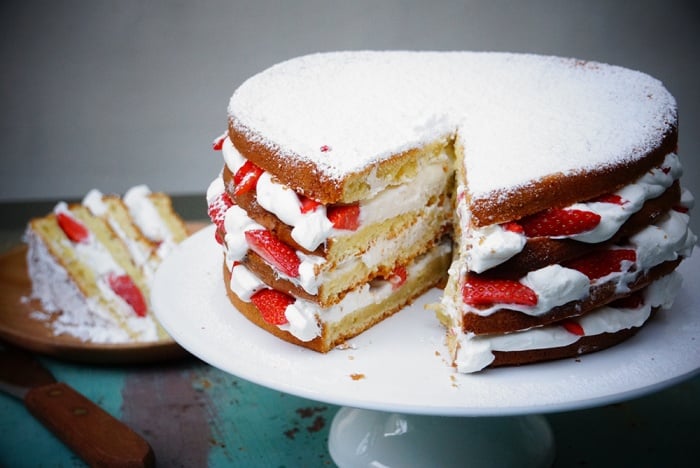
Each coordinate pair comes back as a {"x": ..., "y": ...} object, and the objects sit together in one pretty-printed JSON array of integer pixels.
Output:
[{"x": 96, "y": 436}]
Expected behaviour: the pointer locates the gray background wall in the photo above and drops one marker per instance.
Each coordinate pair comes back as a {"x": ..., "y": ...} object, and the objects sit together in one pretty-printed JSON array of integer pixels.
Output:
[{"x": 109, "y": 94}]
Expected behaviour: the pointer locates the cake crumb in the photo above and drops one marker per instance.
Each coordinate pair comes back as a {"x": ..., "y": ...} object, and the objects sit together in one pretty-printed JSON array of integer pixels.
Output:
[
  {"x": 345, "y": 346},
  {"x": 357, "y": 376}
]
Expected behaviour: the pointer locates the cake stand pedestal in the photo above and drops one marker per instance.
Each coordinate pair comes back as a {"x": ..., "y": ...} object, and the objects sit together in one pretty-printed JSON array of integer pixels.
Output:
[
  {"x": 360, "y": 437},
  {"x": 402, "y": 403}
]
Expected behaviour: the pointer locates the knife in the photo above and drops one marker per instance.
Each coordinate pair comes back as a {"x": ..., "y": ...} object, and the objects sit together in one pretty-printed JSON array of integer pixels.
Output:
[{"x": 93, "y": 434}]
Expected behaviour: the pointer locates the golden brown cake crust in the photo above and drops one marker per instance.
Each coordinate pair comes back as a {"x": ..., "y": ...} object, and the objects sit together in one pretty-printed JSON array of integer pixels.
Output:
[
  {"x": 584, "y": 345},
  {"x": 306, "y": 179},
  {"x": 302, "y": 176}
]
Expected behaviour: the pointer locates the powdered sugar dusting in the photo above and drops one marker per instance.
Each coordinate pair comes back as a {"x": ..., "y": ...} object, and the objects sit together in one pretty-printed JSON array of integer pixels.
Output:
[{"x": 533, "y": 115}]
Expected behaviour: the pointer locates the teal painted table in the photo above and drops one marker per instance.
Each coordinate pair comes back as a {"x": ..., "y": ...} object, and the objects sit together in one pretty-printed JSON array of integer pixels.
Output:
[{"x": 195, "y": 415}]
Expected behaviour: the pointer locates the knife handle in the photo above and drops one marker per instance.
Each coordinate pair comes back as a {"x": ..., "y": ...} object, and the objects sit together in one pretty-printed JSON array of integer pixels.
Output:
[{"x": 96, "y": 436}]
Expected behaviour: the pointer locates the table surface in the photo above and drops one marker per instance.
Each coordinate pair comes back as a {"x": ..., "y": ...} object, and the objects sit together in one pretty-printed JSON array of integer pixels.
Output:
[{"x": 195, "y": 415}]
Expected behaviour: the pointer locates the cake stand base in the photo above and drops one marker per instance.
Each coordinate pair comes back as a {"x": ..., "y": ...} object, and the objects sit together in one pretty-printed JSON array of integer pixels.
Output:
[{"x": 367, "y": 438}]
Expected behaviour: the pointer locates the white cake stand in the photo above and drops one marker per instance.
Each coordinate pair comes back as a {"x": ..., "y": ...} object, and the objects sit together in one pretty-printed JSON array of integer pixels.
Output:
[{"x": 403, "y": 405}]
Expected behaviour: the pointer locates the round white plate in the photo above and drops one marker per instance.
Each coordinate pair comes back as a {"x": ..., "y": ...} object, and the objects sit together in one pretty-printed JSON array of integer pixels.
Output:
[{"x": 402, "y": 365}]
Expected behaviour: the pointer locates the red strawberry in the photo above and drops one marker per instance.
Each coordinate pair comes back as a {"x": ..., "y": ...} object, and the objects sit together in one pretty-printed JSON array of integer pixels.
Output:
[
  {"x": 246, "y": 177},
  {"x": 610, "y": 198},
  {"x": 217, "y": 210},
  {"x": 397, "y": 277},
  {"x": 681, "y": 209},
  {"x": 218, "y": 237},
  {"x": 573, "y": 327},
  {"x": 307, "y": 204},
  {"x": 218, "y": 142},
  {"x": 125, "y": 288},
  {"x": 559, "y": 222},
  {"x": 74, "y": 229},
  {"x": 344, "y": 216},
  {"x": 325, "y": 148},
  {"x": 272, "y": 305},
  {"x": 512, "y": 226},
  {"x": 274, "y": 251},
  {"x": 601, "y": 263},
  {"x": 479, "y": 291}
]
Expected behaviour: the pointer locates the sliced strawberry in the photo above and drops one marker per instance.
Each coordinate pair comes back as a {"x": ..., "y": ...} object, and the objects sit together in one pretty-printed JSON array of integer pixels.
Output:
[
  {"x": 479, "y": 291},
  {"x": 573, "y": 327},
  {"x": 272, "y": 305},
  {"x": 512, "y": 226},
  {"x": 125, "y": 288},
  {"x": 218, "y": 237},
  {"x": 325, "y": 148},
  {"x": 344, "y": 216},
  {"x": 610, "y": 198},
  {"x": 603, "y": 262},
  {"x": 559, "y": 222},
  {"x": 274, "y": 251},
  {"x": 307, "y": 204},
  {"x": 218, "y": 142},
  {"x": 74, "y": 229},
  {"x": 398, "y": 277},
  {"x": 217, "y": 210},
  {"x": 246, "y": 177}
]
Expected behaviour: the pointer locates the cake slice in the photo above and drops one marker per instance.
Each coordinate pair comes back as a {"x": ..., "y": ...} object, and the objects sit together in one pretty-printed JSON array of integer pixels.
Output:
[
  {"x": 91, "y": 265},
  {"x": 318, "y": 274}
]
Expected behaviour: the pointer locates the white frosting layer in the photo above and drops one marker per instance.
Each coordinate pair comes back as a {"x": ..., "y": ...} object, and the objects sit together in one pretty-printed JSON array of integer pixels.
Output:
[{"x": 476, "y": 352}]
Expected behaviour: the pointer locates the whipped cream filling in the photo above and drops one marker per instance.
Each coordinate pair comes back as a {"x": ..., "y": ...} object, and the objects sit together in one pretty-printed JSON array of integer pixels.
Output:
[
  {"x": 492, "y": 245},
  {"x": 304, "y": 317},
  {"x": 669, "y": 238},
  {"x": 93, "y": 201},
  {"x": 476, "y": 352},
  {"x": 216, "y": 188},
  {"x": 313, "y": 228},
  {"x": 148, "y": 219},
  {"x": 312, "y": 272}
]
